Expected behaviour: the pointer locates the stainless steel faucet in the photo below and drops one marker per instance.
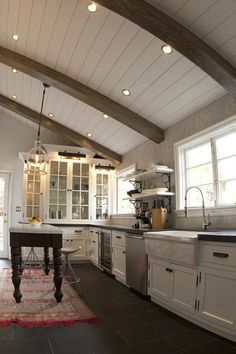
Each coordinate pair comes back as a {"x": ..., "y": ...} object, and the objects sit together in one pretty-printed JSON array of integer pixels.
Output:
[{"x": 205, "y": 221}]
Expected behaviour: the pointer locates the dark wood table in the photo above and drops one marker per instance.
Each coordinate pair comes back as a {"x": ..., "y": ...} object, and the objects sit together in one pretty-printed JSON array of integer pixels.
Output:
[{"x": 27, "y": 236}]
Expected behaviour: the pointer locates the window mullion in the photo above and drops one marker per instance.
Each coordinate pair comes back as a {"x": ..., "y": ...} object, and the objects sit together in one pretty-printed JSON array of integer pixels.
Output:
[{"x": 215, "y": 172}]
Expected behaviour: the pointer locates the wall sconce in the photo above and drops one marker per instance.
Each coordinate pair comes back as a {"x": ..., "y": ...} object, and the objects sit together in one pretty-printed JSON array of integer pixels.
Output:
[
  {"x": 71, "y": 155},
  {"x": 104, "y": 167}
]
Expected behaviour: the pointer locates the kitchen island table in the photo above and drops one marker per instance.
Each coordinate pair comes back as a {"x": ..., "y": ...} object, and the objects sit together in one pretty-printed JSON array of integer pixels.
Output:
[{"x": 25, "y": 235}]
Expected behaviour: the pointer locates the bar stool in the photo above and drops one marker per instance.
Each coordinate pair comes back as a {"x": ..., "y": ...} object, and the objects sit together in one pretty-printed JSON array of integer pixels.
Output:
[
  {"x": 32, "y": 262},
  {"x": 72, "y": 278}
]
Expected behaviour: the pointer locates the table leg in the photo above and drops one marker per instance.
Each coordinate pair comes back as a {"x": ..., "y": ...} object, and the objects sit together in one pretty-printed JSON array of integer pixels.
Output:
[
  {"x": 46, "y": 260},
  {"x": 16, "y": 272},
  {"x": 57, "y": 263}
]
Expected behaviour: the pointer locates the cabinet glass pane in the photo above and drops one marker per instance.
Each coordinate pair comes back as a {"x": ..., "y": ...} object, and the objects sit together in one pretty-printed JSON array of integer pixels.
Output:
[
  {"x": 99, "y": 190},
  {"x": 36, "y": 199},
  {"x": 30, "y": 186},
  {"x": 29, "y": 199},
  {"x": 52, "y": 211},
  {"x": 98, "y": 202},
  {"x": 98, "y": 213},
  {"x": 53, "y": 182},
  {"x": 105, "y": 190},
  {"x": 84, "y": 198},
  {"x": 62, "y": 197},
  {"x": 61, "y": 212},
  {"x": 99, "y": 179},
  {"x": 54, "y": 167},
  {"x": 84, "y": 212},
  {"x": 37, "y": 187},
  {"x": 76, "y": 198},
  {"x": 84, "y": 183},
  {"x": 36, "y": 212},
  {"x": 63, "y": 168},
  {"x": 85, "y": 169},
  {"x": 29, "y": 211},
  {"x": 62, "y": 182},
  {"x": 105, "y": 179},
  {"x": 76, "y": 183},
  {"x": 75, "y": 212},
  {"x": 53, "y": 197},
  {"x": 76, "y": 169}
]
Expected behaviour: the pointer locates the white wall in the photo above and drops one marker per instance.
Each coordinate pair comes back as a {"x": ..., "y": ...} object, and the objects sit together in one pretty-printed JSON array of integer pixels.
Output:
[
  {"x": 163, "y": 153},
  {"x": 15, "y": 136}
]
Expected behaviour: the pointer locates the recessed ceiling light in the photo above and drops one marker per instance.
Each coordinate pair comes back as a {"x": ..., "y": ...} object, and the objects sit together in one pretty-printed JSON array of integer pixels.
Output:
[
  {"x": 89, "y": 134},
  {"x": 126, "y": 92},
  {"x": 14, "y": 70},
  {"x": 14, "y": 96},
  {"x": 92, "y": 7},
  {"x": 15, "y": 37},
  {"x": 166, "y": 49},
  {"x": 106, "y": 116},
  {"x": 51, "y": 115}
]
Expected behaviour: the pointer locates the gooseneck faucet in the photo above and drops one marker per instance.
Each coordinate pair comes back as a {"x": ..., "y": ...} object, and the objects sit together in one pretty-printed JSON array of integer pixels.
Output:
[{"x": 205, "y": 221}]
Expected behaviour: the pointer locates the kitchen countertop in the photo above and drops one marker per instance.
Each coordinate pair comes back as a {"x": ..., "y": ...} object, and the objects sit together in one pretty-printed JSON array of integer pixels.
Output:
[
  {"x": 218, "y": 236},
  {"x": 28, "y": 228}
]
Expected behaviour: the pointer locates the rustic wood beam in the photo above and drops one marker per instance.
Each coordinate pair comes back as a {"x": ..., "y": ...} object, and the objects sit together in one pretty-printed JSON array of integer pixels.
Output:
[
  {"x": 59, "y": 129},
  {"x": 82, "y": 93},
  {"x": 177, "y": 36}
]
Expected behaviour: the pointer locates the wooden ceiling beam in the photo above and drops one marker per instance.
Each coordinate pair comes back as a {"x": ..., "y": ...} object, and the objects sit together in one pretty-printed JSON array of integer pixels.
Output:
[
  {"x": 177, "y": 36},
  {"x": 82, "y": 93},
  {"x": 67, "y": 133}
]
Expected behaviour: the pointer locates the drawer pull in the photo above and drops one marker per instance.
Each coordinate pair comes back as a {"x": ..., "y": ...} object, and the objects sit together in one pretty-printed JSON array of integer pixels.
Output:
[
  {"x": 77, "y": 231},
  {"x": 220, "y": 254},
  {"x": 94, "y": 241},
  {"x": 118, "y": 236},
  {"x": 169, "y": 270}
]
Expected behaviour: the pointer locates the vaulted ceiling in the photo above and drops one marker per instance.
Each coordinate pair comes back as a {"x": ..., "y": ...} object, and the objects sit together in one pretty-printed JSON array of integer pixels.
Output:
[{"x": 109, "y": 53}]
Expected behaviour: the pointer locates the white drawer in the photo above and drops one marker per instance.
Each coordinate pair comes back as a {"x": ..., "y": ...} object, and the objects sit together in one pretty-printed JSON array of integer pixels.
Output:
[
  {"x": 218, "y": 253},
  {"x": 118, "y": 238},
  {"x": 75, "y": 231}
]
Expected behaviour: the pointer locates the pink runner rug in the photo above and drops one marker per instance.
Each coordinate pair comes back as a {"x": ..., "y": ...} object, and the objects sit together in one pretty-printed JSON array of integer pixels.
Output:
[{"x": 38, "y": 306}]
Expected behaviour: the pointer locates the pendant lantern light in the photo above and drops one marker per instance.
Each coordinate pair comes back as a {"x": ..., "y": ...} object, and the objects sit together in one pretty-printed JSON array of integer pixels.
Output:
[{"x": 37, "y": 157}]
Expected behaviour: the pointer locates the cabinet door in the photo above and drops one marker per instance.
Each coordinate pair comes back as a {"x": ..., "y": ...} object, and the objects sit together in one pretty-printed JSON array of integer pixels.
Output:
[
  {"x": 58, "y": 190},
  {"x": 217, "y": 300},
  {"x": 159, "y": 279},
  {"x": 119, "y": 262},
  {"x": 183, "y": 287},
  {"x": 94, "y": 249},
  {"x": 80, "y": 191},
  {"x": 102, "y": 195},
  {"x": 79, "y": 242}
]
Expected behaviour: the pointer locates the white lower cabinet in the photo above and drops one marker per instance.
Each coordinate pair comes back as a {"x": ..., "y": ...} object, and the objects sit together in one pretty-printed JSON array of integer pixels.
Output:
[
  {"x": 94, "y": 245},
  {"x": 217, "y": 297},
  {"x": 119, "y": 256},
  {"x": 172, "y": 283},
  {"x": 75, "y": 237}
]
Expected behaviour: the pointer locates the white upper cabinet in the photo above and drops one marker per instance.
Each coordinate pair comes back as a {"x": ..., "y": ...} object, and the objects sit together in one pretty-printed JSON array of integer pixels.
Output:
[{"x": 68, "y": 191}]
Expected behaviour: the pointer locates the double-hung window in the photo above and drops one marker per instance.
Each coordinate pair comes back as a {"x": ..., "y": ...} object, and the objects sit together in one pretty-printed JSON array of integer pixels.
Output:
[{"x": 207, "y": 161}]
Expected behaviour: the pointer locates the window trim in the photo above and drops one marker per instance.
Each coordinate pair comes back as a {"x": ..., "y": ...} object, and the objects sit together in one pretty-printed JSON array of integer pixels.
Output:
[{"x": 192, "y": 141}]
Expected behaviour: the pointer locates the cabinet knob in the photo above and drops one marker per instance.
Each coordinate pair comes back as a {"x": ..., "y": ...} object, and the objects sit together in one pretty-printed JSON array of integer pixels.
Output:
[{"x": 124, "y": 252}]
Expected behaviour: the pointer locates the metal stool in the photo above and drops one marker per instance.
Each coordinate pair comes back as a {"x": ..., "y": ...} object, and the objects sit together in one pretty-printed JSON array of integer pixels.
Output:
[
  {"x": 32, "y": 262},
  {"x": 72, "y": 278}
]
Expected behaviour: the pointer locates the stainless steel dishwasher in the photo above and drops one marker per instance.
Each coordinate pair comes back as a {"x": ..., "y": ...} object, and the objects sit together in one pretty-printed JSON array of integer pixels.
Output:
[{"x": 136, "y": 263}]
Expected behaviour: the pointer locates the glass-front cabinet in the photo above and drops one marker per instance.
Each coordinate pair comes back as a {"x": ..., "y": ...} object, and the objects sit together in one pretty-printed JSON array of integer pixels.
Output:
[
  {"x": 102, "y": 195},
  {"x": 33, "y": 195},
  {"x": 68, "y": 190}
]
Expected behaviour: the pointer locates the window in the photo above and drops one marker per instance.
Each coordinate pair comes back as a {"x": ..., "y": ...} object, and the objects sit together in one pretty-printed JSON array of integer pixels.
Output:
[
  {"x": 208, "y": 161},
  {"x": 124, "y": 206}
]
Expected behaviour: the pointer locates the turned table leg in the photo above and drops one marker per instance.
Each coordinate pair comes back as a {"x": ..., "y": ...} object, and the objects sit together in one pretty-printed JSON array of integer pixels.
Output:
[
  {"x": 46, "y": 260},
  {"x": 16, "y": 272},
  {"x": 57, "y": 263}
]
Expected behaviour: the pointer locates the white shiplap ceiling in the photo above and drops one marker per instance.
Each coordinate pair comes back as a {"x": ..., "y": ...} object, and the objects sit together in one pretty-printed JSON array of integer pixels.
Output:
[{"x": 108, "y": 53}]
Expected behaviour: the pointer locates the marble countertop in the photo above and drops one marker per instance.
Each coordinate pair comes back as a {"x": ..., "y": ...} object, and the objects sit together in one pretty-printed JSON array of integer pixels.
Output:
[{"x": 42, "y": 229}]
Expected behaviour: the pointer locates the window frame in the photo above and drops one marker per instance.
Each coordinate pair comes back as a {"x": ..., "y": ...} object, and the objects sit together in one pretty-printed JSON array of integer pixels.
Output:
[{"x": 208, "y": 135}]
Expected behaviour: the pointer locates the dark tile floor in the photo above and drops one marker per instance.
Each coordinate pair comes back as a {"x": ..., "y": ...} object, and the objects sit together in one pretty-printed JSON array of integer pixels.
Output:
[{"x": 128, "y": 325}]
